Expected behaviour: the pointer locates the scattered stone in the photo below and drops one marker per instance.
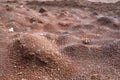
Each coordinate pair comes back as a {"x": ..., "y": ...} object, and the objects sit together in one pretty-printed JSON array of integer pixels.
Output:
[
  {"x": 20, "y": 73},
  {"x": 23, "y": 79},
  {"x": 42, "y": 10},
  {"x": 39, "y": 21},
  {"x": 95, "y": 13},
  {"x": 9, "y": 7},
  {"x": 39, "y": 77},
  {"x": 86, "y": 41},
  {"x": 65, "y": 32},
  {"x": 32, "y": 53},
  {"x": 95, "y": 77},
  {"x": 38, "y": 51},
  {"x": 32, "y": 20},
  {"x": 21, "y": 6},
  {"x": 65, "y": 24},
  {"x": 42, "y": 34},
  {"x": 11, "y": 29},
  {"x": 14, "y": 66},
  {"x": 46, "y": 61},
  {"x": 2, "y": 25}
]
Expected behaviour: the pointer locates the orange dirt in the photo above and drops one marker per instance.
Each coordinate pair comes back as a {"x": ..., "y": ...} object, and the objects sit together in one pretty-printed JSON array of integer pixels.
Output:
[{"x": 59, "y": 40}]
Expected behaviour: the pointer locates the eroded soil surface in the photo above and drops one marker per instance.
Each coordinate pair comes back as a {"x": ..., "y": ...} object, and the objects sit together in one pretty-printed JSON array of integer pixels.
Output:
[{"x": 59, "y": 40}]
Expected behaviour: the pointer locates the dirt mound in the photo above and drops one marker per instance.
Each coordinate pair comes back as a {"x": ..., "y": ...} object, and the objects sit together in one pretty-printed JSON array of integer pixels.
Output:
[
  {"x": 35, "y": 46},
  {"x": 59, "y": 40},
  {"x": 76, "y": 50},
  {"x": 108, "y": 22}
]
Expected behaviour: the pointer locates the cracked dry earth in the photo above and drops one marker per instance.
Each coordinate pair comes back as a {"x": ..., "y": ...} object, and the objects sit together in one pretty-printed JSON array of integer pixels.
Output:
[{"x": 45, "y": 42}]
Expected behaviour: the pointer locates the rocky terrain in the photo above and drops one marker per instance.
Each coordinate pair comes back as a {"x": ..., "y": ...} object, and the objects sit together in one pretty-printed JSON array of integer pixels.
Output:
[{"x": 59, "y": 40}]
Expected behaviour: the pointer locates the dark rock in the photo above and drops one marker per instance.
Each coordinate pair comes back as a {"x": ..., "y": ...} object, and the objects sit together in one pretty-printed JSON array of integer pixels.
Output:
[
  {"x": 42, "y": 10},
  {"x": 32, "y": 20}
]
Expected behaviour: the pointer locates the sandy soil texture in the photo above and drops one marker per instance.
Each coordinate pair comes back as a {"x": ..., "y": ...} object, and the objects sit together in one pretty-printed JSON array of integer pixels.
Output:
[{"x": 59, "y": 40}]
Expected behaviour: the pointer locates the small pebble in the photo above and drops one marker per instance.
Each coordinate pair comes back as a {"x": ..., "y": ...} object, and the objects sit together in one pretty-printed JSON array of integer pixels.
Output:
[
  {"x": 23, "y": 79},
  {"x": 86, "y": 41},
  {"x": 20, "y": 73},
  {"x": 32, "y": 20},
  {"x": 11, "y": 29},
  {"x": 15, "y": 66}
]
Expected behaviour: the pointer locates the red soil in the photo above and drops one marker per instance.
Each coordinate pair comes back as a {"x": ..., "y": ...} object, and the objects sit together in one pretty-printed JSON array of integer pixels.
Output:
[{"x": 65, "y": 41}]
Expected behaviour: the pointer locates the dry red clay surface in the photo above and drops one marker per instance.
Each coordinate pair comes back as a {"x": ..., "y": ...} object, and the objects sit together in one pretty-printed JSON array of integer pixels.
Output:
[{"x": 59, "y": 40}]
